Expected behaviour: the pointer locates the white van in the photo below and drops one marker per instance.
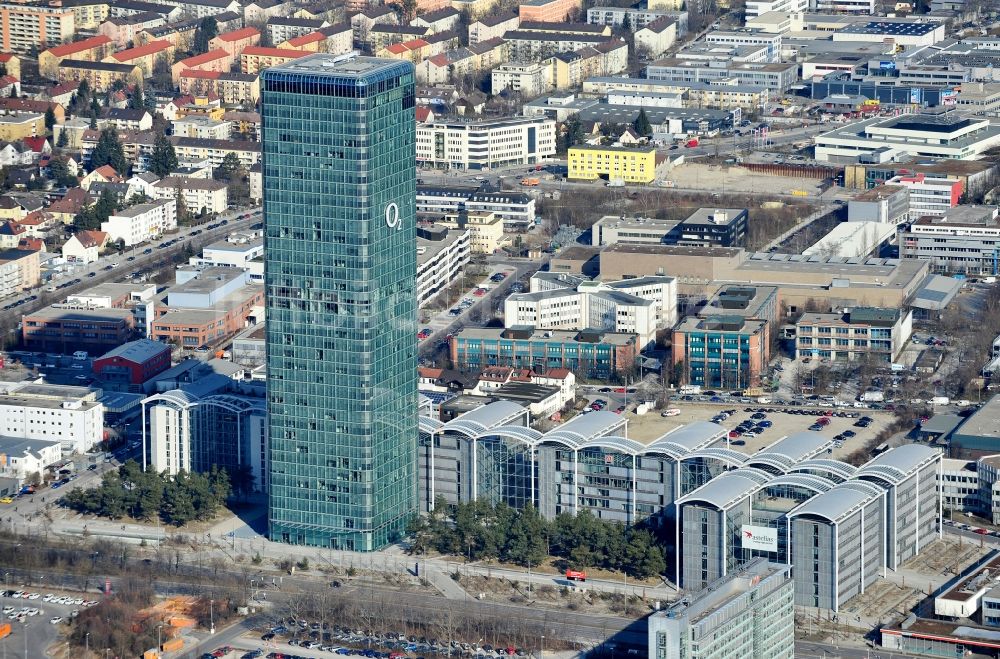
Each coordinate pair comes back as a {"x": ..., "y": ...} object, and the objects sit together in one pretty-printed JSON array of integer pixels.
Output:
[{"x": 80, "y": 355}]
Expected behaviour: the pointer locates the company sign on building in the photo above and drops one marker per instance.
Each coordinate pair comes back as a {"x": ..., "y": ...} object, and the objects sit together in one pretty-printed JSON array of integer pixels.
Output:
[{"x": 759, "y": 538}]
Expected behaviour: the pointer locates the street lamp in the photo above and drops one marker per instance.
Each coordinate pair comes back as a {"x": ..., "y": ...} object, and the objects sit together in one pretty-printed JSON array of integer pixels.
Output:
[
  {"x": 541, "y": 652},
  {"x": 86, "y": 643}
]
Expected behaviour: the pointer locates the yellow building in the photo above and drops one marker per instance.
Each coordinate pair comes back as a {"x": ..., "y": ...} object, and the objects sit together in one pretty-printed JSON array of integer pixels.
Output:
[
  {"x": 615, "y": 163},
  {"x": 485, "y": 230},
  {"x": 12, "y": 63},
  {"x": 92, "y": 49},
  {"x": 87, "y": 15},
  {"x": 100, "y": 75},
  {"x": 18, "y": 126},
  {"x": 257, "y": 58}
]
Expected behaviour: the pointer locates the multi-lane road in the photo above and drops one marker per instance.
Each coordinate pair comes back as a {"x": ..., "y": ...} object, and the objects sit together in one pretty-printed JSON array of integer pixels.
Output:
[{"x": 115, "y": 267}]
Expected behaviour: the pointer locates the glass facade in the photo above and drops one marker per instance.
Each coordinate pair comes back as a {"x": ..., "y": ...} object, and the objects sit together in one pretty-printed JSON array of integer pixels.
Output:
[{"x": 340, "y": 272}]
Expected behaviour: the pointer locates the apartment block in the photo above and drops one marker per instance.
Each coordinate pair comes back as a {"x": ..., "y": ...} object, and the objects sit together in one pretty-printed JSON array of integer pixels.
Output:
[
  {"x": 199, "y": 195},
  {"x": 236, "y": 41},
  {"x": 725, "y": 351},
  {"x": 19, "y": 271},
  {"x": 441, "y": 255},
  {"x": 960, "y": 242},
  {"x": 929, "y": 196},
  {"x": 93, "y": 49},
  {"x": 24, "y": 27},
  {"x": 141, "y": 223},
  {"x": 548, "y": 11},
  {"x": 492, "y": 27},
  {"x": 485, "y": 144},
  {"x": 254, "y": 59},
  {"x": 99, "y": 75},
  {"x": 146, "y": 56}
]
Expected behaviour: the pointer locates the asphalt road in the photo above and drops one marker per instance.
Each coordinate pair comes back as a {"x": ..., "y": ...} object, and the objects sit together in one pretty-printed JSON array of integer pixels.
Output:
[{"x": 139, "y": 260}]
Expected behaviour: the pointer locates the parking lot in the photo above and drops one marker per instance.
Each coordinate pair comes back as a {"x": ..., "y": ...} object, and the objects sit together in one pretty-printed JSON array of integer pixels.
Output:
[
  {"x": 783, "y": 419},
  {"x": 37, "y": 620}
]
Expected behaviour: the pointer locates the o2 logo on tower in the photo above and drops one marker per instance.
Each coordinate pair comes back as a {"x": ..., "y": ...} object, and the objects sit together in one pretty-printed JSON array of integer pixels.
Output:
[{"x": 392, "y": 218}]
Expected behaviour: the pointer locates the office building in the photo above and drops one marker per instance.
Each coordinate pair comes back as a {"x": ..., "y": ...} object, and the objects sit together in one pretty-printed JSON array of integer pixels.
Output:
[
  {"x": 929, "y": 195},
  {"x": 726, "y": 351},
  {"x": 339, "y": 188},
  {"x": 714, "y": 227},
  {"x": 65, "y": 329},
  {"x": 637, "y": 18},
  {"x": 131, "y": 364},
  {"x": 19, "y": 271},
  {"x": 184, "y": 431},
  {"x": 748, "y": 614},
  {"x": 879, "y": 140},
  {"x": 588, "y": 353},
  {"x": 633, "y": 306},
  {"x": 485, "y": 144},
  {"x": 614, "y": 163},
  {"x": 980, "y": 435},
  {"x": 71, "y": 416},
  {"x": 884, "y": 204},
  {"x": 964, "y": 241},
  {"x": 852, "y": 240},
  {"x": 858, "y": 333},
  {"x": 775, "y": 77}
]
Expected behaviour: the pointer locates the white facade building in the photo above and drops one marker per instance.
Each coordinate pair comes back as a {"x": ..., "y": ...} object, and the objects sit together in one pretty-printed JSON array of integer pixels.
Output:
[
  {"x": 530, "y": 79},
  {"x": 247, "y": 256},
  {"x": 633, "y": 306},
  {"x": 20, "y": 458},
  {"x": 940, "y": 135},
  {"x": 756, "y": 8},
  {"x": 486, "y": 144},
  {"x": 198, "y": 194},
  {"x": 142, "y": 222},
  {"x": 929, "y": 196},
  {"x": 441, "y": 255},
  {"x": 740, "y": 38},
  {"x": 71, "y": 416}
]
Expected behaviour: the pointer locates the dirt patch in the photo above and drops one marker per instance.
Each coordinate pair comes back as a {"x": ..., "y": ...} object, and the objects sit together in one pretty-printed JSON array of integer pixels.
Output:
[{"x": 735, "y": 179}]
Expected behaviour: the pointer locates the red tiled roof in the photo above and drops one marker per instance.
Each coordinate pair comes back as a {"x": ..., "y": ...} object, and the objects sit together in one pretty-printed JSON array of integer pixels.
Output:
[
  {"x": 204, "y": 58},
  {"x": 107, "y": 171},
  {"x": 198, "y": 73},
  {"x": 6, "y": 81},
  {"x": 236, "y": 35},
  {"x": 6, "y": 57},
  {"x": 11, "y": 228},
  {"x": 558, "y": 373},
  {"x": 304, "y": 39},
  {"x": 72, "y": 202},
  {"x": 274, "y": 52},
  {"x": 439, "y": 60},
  {"x": 32, "y": 244},
  {"x": 414, "y": 44},
  {"x": 36, "y": 144},
  {"x": 425, "y": 372},
  {"x": 79, "y": 46},
  {"x": 397, "y": 49},
  {"x": 423, "y": 113},
  {"x": 64, "y": 88},
  {"x": 150, "y": 48},
  {"x": 92, "y": 238}
]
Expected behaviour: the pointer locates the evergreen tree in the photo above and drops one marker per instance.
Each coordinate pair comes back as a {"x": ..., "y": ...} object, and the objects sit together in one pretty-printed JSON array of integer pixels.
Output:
[
  {"x": 50, "y": 119},
  {"x": 95, "y": 106},
  {"x": 83, "y": 90},
  {"x": 93, "y": 120},
  {"x": 62, "y": 141},
  {"x": 207, "y": 30},
  {"x": 164, "y": 158},
  {"x": 136, "y": 100},
  {"x": 642, "y": 125},
  {"x": 109, "y": 151}
]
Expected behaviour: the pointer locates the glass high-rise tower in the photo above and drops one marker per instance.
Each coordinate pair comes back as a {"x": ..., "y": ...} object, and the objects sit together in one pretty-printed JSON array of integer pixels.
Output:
[{"x": 340, "y": 268}]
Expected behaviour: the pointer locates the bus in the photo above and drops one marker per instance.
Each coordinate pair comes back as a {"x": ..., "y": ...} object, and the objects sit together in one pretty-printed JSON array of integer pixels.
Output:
[
  {"x": 880, "y": 449},
  {"x": 576, "y": 575}
]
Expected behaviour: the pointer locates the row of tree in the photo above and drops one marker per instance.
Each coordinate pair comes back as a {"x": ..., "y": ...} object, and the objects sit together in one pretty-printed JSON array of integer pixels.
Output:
[
  {"x": 148, "y": 495},
  {"x": 481, "y": 530}
]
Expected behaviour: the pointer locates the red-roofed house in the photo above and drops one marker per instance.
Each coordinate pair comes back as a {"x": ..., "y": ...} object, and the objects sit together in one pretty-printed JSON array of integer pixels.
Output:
[
  {"x": 145, "y": 56},
  {"x": 32, "y": 244},
  {"x": 65, "y": 209},
  {"x": 62, "y": 93},
  {"x": 12, "y": 63},
  {"x": 213, "y": 60},
  {"x": 93, "y": 49},
  {"x": 8, "y": 84},
  {"x": 197, "y": 82},
  {"x": 85, "y": 246},
  {"x": 414, "y": 50},
  {"x": 309, "y": 42},
  {"x": 38, "y": 223},
  {"x": 256, "y": 58},
  {"x": 425, "y": 114},
  {"x": 234, "y": 42},
  {"x": 37, "y": 144},
  {"x": 11, "y": 233},
  {"x": 103, "y": 174}
]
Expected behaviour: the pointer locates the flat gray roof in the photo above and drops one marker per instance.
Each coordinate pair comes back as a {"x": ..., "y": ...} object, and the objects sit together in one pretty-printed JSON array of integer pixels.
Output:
[{"x": 985, "y": 422}]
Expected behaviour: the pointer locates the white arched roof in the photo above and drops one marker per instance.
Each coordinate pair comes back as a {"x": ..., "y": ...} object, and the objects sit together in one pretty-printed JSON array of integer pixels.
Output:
[
  {"x": 613, "y": 443},
  {"x": 585, "y": 427},
  {"x": 477, "y": 421},
  {"x": 719, "y": 453},
  {"x": 898, "y": 464},
  {"x": 523, "y": 434},
  {"x": 428, "y": 424},
  {"x": 726, "y": 489},
  {"x": 841, "y": 470}
]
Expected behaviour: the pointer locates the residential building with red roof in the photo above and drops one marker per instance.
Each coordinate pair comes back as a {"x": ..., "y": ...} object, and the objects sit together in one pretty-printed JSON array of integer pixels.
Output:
[
  {"x": 256, "y": 58},
  {"x": 65, "y": 209},
  {"x": 12, "y": 63},
  {"x": 310, "y": 42},
  {"x": 38, "y": 144},
  {"x": 31, "y": 106},
  {"x": 145, "y": 56},
  {"x": 92, "y": 49},
  {"x": 234, "y": 42},
  {"x": 214, "y": 60},
  {"x": 85, "y": 246},
  {"x": 32, "y": 244},
  {"x": 11, "y": 233}
]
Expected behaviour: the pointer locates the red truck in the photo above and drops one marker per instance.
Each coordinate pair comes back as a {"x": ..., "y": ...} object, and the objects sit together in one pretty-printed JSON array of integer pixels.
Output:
[{"x": 692, "y": 142}]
